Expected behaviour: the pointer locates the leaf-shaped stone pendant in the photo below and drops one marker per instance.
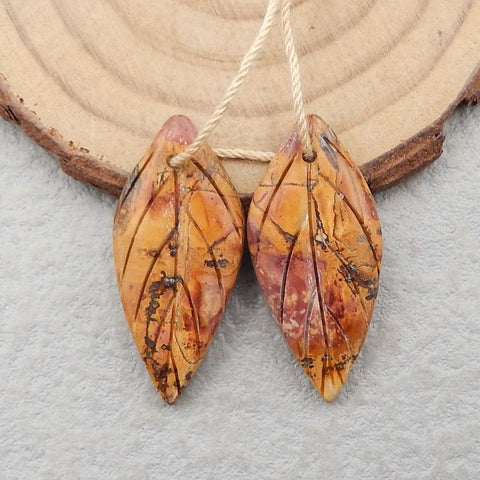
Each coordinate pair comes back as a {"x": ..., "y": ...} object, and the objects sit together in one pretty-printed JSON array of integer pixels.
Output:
[
  {"x": 315, "y": 239},
  {"x": 178, "y": 241}
]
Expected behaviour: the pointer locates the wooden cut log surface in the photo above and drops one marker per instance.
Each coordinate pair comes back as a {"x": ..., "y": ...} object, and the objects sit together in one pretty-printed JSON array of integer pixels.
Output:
[{"x": 94, "y": 80}]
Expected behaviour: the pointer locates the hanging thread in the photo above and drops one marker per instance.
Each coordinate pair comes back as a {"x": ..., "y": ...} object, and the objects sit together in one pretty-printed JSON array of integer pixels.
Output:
[
  {"x": 295, "y": 78},
  {"x": 234, "y": 87},
  {"x": 249, "y": 58}
]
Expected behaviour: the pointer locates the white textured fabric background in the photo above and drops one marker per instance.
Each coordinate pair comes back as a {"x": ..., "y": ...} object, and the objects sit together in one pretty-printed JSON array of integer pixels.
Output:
[{"x": 76, "y": 401}]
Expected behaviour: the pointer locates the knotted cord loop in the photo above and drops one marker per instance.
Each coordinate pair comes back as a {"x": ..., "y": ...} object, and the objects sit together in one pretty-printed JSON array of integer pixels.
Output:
[{"x": 250, "y": 57}]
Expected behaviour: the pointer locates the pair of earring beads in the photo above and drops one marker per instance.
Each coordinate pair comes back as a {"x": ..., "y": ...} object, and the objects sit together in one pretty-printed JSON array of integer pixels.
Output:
[{"x": 312, "y": 229}]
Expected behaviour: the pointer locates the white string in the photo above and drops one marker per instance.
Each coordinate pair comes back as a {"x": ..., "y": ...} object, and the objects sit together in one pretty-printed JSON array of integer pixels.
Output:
[
  {"x": 297, "y": 93},
  {"x": 232, "y": 90},
  {"x": 296, "y": 85},
  {"x": 237, "y": 153}
]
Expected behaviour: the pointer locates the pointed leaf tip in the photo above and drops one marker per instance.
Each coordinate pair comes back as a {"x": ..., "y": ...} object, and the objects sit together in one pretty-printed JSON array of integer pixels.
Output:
[{"x": 179, "y": 129}]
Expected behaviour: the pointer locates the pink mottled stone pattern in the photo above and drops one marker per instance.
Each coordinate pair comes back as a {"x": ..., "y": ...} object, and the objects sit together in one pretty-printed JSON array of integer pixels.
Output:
[
  {"x": 315, "y": 239},
  {"x": 178, "y": 240}
]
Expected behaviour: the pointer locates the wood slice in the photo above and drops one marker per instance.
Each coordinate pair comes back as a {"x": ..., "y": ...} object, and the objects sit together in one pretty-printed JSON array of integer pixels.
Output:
[{"x": 93, "y": 80}]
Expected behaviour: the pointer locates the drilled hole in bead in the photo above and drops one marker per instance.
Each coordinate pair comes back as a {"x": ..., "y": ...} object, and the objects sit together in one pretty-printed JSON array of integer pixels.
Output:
[{"x": 309, "y": 158}]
